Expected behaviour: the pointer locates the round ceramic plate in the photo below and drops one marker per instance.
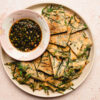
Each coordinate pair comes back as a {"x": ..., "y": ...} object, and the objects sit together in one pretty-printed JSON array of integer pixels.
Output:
[{"x": 5, "y": 58}]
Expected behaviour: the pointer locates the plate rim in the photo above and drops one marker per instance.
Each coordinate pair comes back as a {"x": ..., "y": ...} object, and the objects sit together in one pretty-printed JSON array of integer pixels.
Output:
[{"x": 92, "y": 61}]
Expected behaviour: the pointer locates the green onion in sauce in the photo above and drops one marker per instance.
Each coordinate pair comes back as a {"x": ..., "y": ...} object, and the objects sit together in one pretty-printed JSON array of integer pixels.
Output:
[{"x": 25, "y": 35}]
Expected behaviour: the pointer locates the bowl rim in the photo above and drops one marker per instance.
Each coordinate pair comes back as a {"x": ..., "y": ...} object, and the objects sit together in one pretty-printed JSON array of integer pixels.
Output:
[{"x": 30, "y": 56}]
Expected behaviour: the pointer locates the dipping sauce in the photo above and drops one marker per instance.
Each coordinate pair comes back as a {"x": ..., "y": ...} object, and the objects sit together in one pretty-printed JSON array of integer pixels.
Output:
[{"x": 25, "y": 35}]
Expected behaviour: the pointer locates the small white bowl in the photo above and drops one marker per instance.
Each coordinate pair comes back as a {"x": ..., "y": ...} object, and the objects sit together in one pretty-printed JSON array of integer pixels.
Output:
[{"x": 10, "y": 49}]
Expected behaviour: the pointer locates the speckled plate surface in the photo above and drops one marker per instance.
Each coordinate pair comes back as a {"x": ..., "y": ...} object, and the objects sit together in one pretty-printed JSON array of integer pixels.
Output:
[{"x": 5, "y": 58}]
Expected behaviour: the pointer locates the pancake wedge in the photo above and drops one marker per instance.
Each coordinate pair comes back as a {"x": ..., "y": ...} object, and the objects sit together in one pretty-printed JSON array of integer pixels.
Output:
[
  {"x": 55, "y": 18},
  {"x": 61, "y": 39},
  {"x": 57, "y": 51},
  {"x": 79, "y": 42},
  {"x": 45, "y": 65},
  {"x": 77, "y": 24},
  {"x": 55, "y": 64}
]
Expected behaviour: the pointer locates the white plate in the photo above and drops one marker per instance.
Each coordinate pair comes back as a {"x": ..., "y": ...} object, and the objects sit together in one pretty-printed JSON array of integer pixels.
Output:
[{"x": 5, "y": 58}]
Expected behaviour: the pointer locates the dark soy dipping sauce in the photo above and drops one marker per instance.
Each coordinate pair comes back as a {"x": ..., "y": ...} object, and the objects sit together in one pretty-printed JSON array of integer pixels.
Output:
[{"x": 25, "y": 35}]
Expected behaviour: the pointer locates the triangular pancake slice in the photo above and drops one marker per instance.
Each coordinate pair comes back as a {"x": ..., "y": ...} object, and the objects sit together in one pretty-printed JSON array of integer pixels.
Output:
[
  {"x": 45, "y": 65},
  {"x": 59, "y": 18},
  {"x": 79, "y": 42},
  {"x": 55, "y": 64},
  {"x": 61, "y": 39},
  {"x": 55, "y": 17},
  {"x": 57, "y": 51},
  {"x": 77, "y": 24}
]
